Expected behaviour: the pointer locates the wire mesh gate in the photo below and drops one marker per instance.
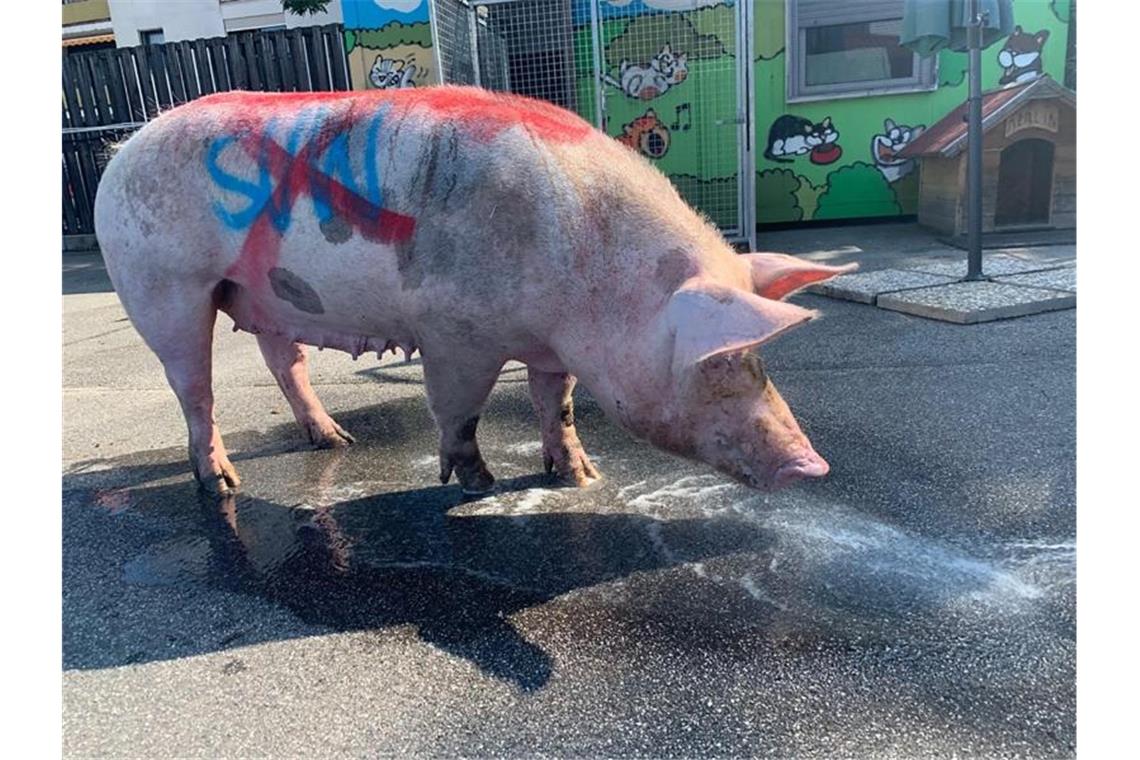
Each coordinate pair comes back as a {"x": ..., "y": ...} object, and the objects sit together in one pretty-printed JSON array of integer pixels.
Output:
[{"x": 669, "y": 78}]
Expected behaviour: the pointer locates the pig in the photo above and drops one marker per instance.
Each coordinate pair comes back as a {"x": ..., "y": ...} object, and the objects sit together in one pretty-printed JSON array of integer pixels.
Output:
[{"x": 474, "y": 227}]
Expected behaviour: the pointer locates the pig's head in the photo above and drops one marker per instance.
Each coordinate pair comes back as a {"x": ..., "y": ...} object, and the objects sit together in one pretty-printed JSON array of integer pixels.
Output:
[{"x": 721, "y": 408}]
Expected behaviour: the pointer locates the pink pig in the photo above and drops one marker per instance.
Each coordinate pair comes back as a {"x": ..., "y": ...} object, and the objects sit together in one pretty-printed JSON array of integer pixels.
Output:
[{"x": 475, "y": 227}]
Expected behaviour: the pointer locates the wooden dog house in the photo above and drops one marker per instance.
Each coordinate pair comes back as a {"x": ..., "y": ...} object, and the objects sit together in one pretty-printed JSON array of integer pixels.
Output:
[{"x": 1029, "y": 162}]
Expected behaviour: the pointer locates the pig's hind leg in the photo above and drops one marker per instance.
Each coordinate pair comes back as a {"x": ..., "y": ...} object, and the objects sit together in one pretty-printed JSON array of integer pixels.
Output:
[
  {"x": 562, "y": 452},
  {"x": 457, "y": 387},
  {"x": 177, "y": 323},
  {"x": 290, "y": 367}
]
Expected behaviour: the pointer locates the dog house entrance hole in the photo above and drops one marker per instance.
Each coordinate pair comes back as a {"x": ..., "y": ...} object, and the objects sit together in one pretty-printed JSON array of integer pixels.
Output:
[{"x": 1025, "y": 184}]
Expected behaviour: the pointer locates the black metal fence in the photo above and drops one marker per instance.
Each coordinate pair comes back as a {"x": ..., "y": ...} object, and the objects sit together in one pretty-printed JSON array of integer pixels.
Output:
[{"x": 107, "y": 94}]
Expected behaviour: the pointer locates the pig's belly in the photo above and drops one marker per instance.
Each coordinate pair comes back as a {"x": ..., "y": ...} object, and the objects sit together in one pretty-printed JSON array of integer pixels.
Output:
[{"x": 344, "y": 295}]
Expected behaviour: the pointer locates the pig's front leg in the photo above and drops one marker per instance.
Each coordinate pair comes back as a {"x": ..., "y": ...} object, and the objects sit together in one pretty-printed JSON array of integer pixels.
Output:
[
  {"x": 290, "y": 368},
  {"x": 562, "y": 452},
  {"x": 457, "y": 387}
]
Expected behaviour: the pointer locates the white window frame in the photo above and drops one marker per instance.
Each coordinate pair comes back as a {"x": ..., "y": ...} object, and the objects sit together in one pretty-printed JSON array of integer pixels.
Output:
[{"x": 851, "y": 12}]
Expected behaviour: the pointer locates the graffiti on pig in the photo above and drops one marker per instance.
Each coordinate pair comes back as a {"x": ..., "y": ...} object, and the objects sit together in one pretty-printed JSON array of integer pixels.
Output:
[
  {"x": 311, "y": 154},
  {"x": 309, "y": 157},
  {"x": 646, "y": 134},
  {"x": 312, "y": 158}
]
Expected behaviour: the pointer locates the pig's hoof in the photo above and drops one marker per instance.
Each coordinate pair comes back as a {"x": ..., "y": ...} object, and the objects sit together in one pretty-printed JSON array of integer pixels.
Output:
[
  {"x": 477, "y": 480},
  {"x": 473, "y": 475},
  {"x": 572, "y": 468},
  {"x": 326, "y": 434},
  {"x": 223, "y": 480}
]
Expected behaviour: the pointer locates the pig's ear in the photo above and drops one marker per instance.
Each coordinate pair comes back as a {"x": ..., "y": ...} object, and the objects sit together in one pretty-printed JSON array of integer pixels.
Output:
[
  {"x": 707, "y": 320},
  {"x": 776, "y": 275}
]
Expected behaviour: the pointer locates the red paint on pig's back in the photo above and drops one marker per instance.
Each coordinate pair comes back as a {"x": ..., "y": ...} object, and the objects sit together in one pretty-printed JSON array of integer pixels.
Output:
[{"x": 481, "y": 113}]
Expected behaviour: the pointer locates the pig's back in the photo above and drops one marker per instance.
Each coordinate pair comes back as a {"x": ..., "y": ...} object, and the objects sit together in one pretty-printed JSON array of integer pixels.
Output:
[{"x": 393, "y": 206}]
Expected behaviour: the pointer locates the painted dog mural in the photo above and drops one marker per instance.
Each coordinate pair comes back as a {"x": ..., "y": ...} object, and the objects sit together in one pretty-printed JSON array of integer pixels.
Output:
[
  {"x": 886, "y": 146},
  {"x": 1020, "y": 57}
]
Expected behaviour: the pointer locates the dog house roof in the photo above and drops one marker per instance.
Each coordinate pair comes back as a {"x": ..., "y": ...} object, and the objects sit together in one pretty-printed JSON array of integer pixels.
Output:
[{"x": 947, "y": 138}]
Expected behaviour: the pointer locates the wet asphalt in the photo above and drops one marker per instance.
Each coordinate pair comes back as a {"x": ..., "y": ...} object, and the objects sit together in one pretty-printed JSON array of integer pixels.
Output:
[{"x": 917, "y": 602}]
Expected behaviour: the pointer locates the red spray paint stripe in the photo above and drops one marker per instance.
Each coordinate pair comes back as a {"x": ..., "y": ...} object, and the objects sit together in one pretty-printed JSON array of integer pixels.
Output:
[{"x": 482, "y": 114}]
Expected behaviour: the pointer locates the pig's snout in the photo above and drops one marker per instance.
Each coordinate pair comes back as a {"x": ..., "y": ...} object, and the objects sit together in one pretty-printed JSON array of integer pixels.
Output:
[{"x": 809, "y": 465}]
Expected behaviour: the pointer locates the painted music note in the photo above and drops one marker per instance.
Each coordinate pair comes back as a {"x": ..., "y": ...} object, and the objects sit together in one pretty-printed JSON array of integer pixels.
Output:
[{"x": 686, "y": 109}]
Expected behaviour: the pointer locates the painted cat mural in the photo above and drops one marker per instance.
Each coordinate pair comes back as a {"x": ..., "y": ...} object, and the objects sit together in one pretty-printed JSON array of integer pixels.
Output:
[
  {"x": 791, "y": 136},
  {"x": 886, "y": 146},
  {"x": 653, "y": 79}
]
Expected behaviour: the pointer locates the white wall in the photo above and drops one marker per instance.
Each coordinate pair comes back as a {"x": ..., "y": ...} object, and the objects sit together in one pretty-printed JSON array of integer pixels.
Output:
[
  {"x": 245, "y": 14},
  {"x": 178, "y": 19},
  {"x": 192, "y": 19}
]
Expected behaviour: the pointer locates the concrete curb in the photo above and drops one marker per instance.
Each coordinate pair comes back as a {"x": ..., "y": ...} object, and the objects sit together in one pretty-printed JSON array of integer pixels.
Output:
[{"x": 967, "y": 303}]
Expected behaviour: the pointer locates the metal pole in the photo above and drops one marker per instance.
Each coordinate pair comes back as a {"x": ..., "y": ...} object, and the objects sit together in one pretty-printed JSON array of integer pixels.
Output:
[
  {"x": 599, "y": 85},
  {"x": 974, "y": 157}
]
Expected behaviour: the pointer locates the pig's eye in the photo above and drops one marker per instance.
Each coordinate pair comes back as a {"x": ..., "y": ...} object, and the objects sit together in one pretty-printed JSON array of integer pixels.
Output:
[{"x": 755, "y": 367}]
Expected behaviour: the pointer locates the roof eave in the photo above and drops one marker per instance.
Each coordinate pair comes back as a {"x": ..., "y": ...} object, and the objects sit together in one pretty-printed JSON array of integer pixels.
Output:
[{"x": 1045, "y": 82}]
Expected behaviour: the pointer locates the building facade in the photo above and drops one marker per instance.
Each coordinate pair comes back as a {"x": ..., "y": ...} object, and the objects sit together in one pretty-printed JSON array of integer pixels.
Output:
[
  {"x": 87, "y": 24},
  {"x": 139, "y": 22}
]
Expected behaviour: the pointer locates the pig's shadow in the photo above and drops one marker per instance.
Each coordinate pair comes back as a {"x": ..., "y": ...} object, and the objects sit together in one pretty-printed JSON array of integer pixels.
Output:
[
  {"x": 390, "y": 559},
  {"x": 155, "y": 570}
]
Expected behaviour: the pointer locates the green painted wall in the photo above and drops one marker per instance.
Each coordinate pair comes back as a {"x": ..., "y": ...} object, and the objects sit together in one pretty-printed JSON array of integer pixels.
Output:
[{"x": 853, "y": 186}]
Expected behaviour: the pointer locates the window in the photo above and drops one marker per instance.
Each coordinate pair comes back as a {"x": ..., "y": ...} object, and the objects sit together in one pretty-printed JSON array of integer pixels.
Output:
[
  {"x": 151, "y": 37},
  {"x": 846, "y": 48}
]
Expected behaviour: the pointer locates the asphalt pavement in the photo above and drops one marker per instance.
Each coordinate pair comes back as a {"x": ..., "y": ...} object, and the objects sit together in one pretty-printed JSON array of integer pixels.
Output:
[{"x": 916, "y": 602}]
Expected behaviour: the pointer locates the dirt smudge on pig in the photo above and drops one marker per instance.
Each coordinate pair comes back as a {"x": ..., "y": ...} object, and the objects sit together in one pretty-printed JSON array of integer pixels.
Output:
[
  {"x": 673, "y": 269},
  {"x": 336, "y": 230},
  {"x": 467, "y": 432},
  {"x": 289, "y": 287},
  {"x": 431, "y": 163},
  {"x": 433, "y": 250},
  {"x": 439, "y": 167}
]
